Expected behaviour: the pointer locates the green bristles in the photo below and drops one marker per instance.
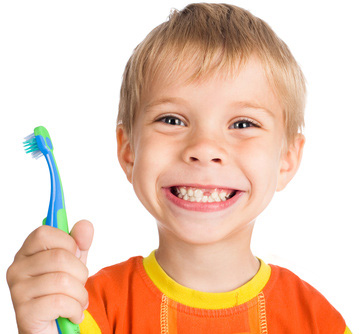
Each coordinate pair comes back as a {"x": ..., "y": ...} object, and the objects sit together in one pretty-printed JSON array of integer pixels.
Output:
[{"x": 30, "y": 146}]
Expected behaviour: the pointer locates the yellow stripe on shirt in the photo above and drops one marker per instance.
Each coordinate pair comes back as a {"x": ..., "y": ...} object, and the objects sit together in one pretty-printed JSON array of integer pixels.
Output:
[
  {"x": 347, "y": 331},
  {"x": 205, "y": 300},
  {"x": 89, "y": 325}
]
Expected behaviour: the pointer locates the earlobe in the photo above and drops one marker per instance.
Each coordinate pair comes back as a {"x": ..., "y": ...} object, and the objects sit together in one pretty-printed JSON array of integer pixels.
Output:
[
  {"x": 124, "y": 151},
  {"x": 290, "y": 162}
]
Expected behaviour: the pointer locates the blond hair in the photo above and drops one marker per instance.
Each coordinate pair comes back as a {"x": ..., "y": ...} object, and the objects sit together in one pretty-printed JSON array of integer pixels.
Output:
[{"x": 206, "y": 39}]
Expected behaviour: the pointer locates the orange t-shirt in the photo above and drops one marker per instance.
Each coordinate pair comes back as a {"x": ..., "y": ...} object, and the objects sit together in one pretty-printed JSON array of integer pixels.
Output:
[{"x": 137, "y": 296}]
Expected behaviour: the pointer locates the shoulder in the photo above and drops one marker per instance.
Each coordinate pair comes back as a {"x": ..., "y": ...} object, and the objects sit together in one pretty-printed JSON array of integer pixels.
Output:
[
  {"x": 290, "y": 297},
  {"x": 113, "y": 277},
  {"x": 118, "y": 268},
  {"x": 284, "y": 280}
]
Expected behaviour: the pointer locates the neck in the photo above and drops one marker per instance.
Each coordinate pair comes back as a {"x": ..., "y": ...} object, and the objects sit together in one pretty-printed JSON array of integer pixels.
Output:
[{"x": 219, "y": 267}]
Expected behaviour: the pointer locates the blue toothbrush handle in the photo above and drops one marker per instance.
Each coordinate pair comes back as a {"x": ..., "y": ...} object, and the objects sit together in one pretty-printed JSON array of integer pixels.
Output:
[{"x": 56, "y": 217}]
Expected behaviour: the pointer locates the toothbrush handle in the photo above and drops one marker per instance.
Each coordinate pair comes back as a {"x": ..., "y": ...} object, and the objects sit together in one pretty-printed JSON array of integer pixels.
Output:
[
  {"x": 65, "y": 326},
  {"x": 57, "y": 217}
]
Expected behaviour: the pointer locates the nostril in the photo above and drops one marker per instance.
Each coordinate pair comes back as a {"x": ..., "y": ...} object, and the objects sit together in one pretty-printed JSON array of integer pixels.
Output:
[{"x": 214, "y": 160}]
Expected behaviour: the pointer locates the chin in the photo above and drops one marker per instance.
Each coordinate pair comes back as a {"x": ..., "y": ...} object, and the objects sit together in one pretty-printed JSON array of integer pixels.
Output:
[{"x": 195, "y": 233}]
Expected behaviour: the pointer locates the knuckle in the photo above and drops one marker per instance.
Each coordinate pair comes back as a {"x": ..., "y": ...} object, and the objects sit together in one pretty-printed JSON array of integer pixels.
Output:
[
  {"x": 59, "y": 301},
  {"x": 84, "y": 274},
  {"x": 41, "y": 233},
  {"x": 58, "y": 256},
  {"x": 13, "y": 274},
  {"x": 62, "y": 280},
  {"x": 10, "y": 275}
]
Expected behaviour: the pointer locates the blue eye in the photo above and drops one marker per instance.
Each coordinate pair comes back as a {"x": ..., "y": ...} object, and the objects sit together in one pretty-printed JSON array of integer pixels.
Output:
[
  {"x": 171, "y": 120},
  {"x": 243, "y": 124}
]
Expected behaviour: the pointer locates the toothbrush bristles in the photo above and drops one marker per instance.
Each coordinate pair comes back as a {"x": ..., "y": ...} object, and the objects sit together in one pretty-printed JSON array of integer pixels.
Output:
[{"x": 30, "y": 146}]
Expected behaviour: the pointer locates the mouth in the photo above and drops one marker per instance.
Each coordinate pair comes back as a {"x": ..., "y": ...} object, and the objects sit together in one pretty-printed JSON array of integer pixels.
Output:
[
  {"x": 203, "y": 195},
  {"x": 202, "y": 198}
]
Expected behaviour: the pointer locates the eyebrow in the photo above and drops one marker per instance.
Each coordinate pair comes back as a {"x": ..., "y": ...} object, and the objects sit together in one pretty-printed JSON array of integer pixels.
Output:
[
  {"x": 235, "y": 104},
  {"x": 164, "y": 100},
  {"x": 251, "y": 105}
]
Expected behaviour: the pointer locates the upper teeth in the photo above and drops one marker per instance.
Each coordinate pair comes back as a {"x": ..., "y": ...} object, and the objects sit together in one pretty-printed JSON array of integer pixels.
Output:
[{"x": 198, "y": 195}]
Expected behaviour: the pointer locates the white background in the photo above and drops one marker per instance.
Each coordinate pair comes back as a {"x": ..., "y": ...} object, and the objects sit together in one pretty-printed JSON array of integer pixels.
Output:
[{"x": 61, "y": 64}]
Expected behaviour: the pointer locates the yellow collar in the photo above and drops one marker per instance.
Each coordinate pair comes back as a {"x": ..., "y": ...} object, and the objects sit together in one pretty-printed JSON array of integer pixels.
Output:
[{"x": 205, "y": 300}]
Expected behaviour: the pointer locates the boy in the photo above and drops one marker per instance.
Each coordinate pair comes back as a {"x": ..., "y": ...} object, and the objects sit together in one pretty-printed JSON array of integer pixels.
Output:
[{"x": 211, "y": 109}]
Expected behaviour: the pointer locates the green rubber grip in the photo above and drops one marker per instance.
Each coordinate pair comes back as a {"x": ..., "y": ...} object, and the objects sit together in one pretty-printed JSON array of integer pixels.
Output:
[
  {"x": 61, "y": 221},
  {"x": 67, "y": 327}
]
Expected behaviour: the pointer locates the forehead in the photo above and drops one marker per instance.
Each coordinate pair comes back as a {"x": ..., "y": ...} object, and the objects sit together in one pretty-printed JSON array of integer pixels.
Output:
[{"x": 248, "y": 85}]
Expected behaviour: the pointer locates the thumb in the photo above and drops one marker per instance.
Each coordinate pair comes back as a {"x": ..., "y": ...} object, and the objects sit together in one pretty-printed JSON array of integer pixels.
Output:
[{"x": 82, "y": 232}]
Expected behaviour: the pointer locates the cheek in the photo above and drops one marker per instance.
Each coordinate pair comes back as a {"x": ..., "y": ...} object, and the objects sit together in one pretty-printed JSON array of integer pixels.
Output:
[
  {"x": 260, "y": 163},
  {"x": 150, "y": 160},
  {"x": 144, "y": 160}
]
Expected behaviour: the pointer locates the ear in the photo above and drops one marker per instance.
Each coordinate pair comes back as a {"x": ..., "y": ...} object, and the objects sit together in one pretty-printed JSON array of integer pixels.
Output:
[
  {"x": 290, "y": 161},
  {"x": 124, "y": 152}
]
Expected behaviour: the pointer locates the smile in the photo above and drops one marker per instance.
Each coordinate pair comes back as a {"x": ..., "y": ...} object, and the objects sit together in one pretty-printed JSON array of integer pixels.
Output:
[
  {"x": 202, "y": 195},
  {"x": 202, "y": 199}
]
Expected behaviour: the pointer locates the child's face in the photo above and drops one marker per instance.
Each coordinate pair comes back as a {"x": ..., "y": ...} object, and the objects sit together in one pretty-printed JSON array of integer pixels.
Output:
[{"x": 222, "y": 133}]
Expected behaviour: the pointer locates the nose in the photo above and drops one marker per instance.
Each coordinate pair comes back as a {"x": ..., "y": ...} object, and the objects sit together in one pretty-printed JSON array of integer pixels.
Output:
[{"x": 203, "y": 150}]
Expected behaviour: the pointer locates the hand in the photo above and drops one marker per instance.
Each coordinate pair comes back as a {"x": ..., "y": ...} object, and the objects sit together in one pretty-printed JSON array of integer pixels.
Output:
[{"x": 47, "y": 278}]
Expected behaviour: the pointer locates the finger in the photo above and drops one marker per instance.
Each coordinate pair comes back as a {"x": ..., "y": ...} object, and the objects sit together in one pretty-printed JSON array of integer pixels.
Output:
[
  {"x": 53, "y": 260},
  {"x": 83, "y": 232},
  {"x": 49, "y": 284},
  {"x": 61, "y": 306},
  {"x": 45, "y": 238}
]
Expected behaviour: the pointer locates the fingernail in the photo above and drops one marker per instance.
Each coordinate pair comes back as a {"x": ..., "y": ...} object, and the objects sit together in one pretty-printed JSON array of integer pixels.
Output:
[{"x": 78, "y": 252}]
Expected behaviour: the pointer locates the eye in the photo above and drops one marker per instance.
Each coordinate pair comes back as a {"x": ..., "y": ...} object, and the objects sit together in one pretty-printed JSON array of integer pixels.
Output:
[
  {"x": 244, "y": 123},
  {"x": 171, "y": 120}
]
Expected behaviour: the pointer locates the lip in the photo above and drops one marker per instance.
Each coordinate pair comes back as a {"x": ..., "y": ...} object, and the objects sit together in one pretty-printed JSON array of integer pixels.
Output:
[{"x": 199, "y": 206}]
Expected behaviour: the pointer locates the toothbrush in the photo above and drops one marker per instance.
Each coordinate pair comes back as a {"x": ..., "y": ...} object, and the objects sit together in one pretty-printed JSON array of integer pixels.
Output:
[{"x": 39, "y": 144}]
